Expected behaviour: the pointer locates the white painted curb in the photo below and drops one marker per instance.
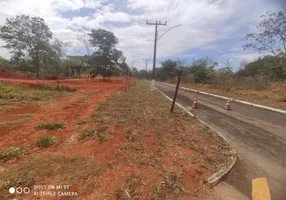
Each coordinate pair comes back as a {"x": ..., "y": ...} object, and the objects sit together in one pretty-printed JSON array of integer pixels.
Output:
[
  {"x": 176, "y": 103},
  {"x": 235, "y": 100},
  {"x": 216, "y": 177}
]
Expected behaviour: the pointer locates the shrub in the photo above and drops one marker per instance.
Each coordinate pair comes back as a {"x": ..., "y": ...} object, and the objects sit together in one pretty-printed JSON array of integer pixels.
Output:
[
  {"x": 50, "y": 126},
  {"x": 46, "y": 141}
]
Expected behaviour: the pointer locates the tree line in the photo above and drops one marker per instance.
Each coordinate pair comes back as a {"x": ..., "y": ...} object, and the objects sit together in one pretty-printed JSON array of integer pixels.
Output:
[{"x": 34, "y": 50}]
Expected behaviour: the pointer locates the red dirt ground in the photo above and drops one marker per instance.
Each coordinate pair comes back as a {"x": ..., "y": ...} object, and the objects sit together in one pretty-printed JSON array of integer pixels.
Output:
[
  {"x": 15, "y": 135},
  {"x": 37, "y": 113}
]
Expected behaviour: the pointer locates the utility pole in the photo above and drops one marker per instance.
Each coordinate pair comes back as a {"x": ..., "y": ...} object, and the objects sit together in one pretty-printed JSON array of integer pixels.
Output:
[
  {"x": 126, "y": 85},
  {"x": 146, "y": 68},
  {"x": 155, "y": 49}
]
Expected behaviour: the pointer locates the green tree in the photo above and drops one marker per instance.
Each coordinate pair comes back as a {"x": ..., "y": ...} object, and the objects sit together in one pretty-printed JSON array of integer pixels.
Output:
[
  {"x": 167, "y": 67},
  {"x": 104, "y": 41},
  {"x": 105, "y": 45},
  {"x": 268, "y": 66},
  {"x": 5, "y": 63},
  {"x": 201, "y": 69},
  {"x": 27, "y": 37}
]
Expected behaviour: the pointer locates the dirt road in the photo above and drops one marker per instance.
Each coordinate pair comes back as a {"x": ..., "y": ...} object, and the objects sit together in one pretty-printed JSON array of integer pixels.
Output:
[{"x": 257, "y": 135}]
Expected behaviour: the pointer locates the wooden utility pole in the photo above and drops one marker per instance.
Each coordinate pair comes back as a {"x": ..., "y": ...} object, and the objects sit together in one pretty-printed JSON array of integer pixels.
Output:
[
  {"x": 126, "y": 85},
  {"x": 146, "y": 69},
  {"x": 179, "y": 74},
  {"x": 155, "y": 49}
]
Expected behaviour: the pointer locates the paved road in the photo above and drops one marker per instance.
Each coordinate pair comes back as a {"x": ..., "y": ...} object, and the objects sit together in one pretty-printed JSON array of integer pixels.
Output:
[{"x": 257, "y": 135}]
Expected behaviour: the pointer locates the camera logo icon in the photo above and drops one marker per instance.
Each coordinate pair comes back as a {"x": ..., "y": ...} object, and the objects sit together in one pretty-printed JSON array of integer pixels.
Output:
[{"x": 19, "y": 190}]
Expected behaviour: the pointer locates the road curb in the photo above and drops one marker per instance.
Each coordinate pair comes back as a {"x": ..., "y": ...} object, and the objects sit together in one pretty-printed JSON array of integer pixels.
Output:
[
  {"x": 215, "y": 178},
  {"x": 176, "y": 103},
  {"x": 235, "y": 100}
]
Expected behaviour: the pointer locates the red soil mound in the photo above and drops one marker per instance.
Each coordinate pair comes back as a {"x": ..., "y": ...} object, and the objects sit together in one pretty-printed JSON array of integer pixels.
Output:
[{"x": 8, "y": 74}]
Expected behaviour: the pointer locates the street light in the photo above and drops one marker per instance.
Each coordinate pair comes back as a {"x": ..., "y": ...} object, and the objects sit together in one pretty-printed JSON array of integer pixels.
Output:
[
  {"x": 153, "y": 83},
  {"x": 168, "y": 30}
]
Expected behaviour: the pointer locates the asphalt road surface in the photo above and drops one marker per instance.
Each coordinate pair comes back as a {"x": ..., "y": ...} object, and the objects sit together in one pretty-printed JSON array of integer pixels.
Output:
[{"x": 257, "y": 135}]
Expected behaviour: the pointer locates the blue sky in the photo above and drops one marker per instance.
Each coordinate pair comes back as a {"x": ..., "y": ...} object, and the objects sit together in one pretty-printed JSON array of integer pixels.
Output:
[{"x": 210, "y": 28}]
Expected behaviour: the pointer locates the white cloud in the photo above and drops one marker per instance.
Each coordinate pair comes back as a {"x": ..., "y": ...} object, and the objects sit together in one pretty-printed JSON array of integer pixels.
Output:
[
  {"x": 249, "y": 57},
  {"x": 239, "y": 57},
  {"x": 204, "y": 22}
]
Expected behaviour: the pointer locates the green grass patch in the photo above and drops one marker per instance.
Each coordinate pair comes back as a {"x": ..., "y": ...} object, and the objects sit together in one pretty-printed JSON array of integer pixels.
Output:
[
  {"x": 12, "y": 153},
  {"x": 46, "y": 141},
  {"x": 19, "y": 92},
  {"x": 50, "y": 126}
]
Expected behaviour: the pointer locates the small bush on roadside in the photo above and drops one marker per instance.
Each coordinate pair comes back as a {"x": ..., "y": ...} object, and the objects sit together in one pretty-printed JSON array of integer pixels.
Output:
[
  {"x": 50, "y": 126},
  {"x": 46, "y": 141}
]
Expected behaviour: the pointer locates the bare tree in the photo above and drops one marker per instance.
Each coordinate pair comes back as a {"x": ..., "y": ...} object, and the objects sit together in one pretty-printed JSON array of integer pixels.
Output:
[
  {"x": 271, "y": 34},
  {"x": 84, "y": 39}
]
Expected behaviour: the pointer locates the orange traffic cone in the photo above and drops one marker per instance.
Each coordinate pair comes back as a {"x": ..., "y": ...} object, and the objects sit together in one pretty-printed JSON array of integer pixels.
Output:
[
  {"x": 195, "y": 104},
  {"x": 227, "y": 106}
]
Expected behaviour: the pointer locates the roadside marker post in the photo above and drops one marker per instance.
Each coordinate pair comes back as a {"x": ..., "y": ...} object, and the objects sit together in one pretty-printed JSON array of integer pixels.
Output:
[{"x": 179, "y": 73}]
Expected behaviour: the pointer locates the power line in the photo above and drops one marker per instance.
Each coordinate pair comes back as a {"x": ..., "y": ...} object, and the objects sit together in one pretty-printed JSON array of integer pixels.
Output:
[{"x": 175, "y": 7}]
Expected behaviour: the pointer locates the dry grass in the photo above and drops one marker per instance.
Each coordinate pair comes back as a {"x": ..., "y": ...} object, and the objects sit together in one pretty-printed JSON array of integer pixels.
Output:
[
  {"x": 90, "y": 133},
  {"x": 14, "y": 122},
  {"x": 146, "y": 115},
  {"x": 171, "y": 185},
  {"x": 79, "y": 171},
  {"x": 79, "y": 101},
  {"x": 129, "y": 191},
  {"x": 20, "y": 92},
  {"x": 273, "y": 95}
]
